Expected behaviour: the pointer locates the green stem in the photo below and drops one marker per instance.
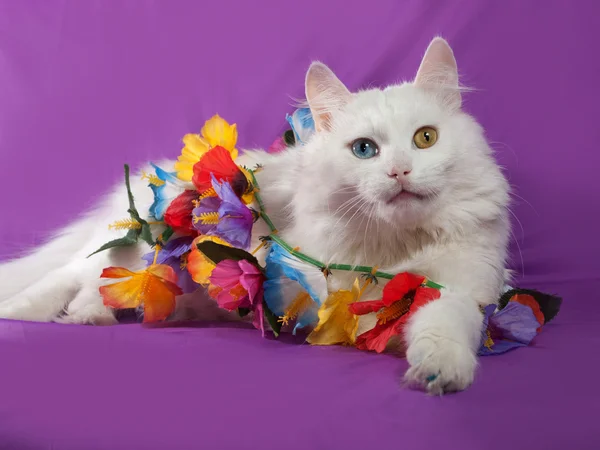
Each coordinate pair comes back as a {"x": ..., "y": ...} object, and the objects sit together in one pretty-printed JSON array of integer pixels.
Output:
[
  {"x": 301, "y": 256},
  {"x": 313, "y": 262},
  {"x": 261, "y": 205}
]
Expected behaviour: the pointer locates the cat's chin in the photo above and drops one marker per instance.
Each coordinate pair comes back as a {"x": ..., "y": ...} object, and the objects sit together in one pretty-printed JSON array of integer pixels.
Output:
[
  {"x": 403, "y": 208},
  {"x": 403, "y": 197}
]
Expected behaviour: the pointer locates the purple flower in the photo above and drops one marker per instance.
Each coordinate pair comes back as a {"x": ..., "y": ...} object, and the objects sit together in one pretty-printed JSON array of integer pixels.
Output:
[
  {"x": 224, "y": 216},
  {"x": 174, "y": 254},
  {"x": 513, "y": 326}
]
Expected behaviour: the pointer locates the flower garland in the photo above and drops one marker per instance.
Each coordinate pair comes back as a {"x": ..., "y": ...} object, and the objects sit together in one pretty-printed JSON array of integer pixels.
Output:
[{"x": 205, "y": 210}]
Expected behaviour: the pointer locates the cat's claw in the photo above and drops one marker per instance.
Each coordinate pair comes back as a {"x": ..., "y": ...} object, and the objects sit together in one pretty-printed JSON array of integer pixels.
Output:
[{"x": 440, "y": 365}]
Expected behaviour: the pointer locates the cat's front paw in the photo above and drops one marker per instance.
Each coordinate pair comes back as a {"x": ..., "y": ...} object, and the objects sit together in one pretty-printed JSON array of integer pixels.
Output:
[{"x": 440, "y": 365}]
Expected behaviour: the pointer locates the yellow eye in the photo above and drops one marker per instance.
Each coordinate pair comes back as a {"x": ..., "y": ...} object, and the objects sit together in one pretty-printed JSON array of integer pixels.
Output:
[{"x": 425, "y": 137}]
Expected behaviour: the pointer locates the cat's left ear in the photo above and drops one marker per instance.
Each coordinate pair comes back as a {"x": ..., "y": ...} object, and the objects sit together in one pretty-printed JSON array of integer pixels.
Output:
[
  {"x": 325, "y": 94},
  {"x": 438, "y": 71}
]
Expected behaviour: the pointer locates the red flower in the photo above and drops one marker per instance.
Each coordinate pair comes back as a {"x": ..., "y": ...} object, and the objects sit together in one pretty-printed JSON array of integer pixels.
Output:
[
  {"x": 179, "y": 213},
  {"x": 217, "y": 162},
  {"x": 402, "y": 296}
]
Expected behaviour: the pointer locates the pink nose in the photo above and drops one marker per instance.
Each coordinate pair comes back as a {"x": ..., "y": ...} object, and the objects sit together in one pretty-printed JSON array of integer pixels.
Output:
[{"x": 395, "y": 173}]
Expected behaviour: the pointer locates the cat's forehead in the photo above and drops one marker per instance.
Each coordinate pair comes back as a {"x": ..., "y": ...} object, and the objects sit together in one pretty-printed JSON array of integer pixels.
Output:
[{"x": 395, "y": 105}]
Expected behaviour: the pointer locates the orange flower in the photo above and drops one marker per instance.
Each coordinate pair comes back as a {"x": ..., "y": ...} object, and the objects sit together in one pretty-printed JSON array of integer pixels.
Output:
[
  {"x": 198, "y": 265},
  {"x": 155, "y": 287}
]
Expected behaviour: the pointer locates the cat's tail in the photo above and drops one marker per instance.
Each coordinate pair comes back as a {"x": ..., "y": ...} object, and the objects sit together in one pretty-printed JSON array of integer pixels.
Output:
[{"x": 18, "y": 274}]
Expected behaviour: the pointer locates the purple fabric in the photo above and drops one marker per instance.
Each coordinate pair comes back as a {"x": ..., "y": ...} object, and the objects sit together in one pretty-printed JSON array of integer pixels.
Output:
[{"x": 87, "y": 86}]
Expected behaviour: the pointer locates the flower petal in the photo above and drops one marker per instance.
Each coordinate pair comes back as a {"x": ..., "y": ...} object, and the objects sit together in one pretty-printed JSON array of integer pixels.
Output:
[
  {"x": 259, "y": 318},
  {"x": 197, "y": 264},
  {"x": 366, "y": 307},
  {"x": 154, "y": 287},
  {"x": 179, "y": 213},
  {"x": 164, "y": 194},
  {"x": 218, "y": 132},
  {"x": 163, "y": 271},
  {"x": 302, "y": 124},
  {"x": 337, "y": 324},
  {"x": 424, "y": 295},
  {"x": 377, "y": 338},
  {"x": 226, "y": 274},
  {"x": 235, "y": 219},
  {"x": 194, "y": 148},
  {"x": 277, "y": 145},
  {"x": 397, "y": 288},
  {"x": 203, "y": 219},
  {"x": 252, "y": 280},
  {"x": 116, "y": 272},
  {"x": 282, "y": 263},
  {"x": 159, "y": 301},
  {"x": 218, "y": 163}
]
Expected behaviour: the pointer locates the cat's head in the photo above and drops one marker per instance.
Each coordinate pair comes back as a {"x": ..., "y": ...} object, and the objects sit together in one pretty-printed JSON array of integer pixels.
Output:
[{"x": 403, "y": 154}]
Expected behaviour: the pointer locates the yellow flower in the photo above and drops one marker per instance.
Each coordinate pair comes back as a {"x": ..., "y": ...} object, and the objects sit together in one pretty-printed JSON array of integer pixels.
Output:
[
  {"x": 200, "y": 267},
  {"x": 248, "y": 197},
  {"x": 337, "y": 325},
  {"x": 215, "y": 132}
]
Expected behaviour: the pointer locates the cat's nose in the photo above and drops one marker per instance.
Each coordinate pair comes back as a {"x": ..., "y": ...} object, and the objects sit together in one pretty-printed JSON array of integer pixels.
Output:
[{"x": 399, "y": 172}]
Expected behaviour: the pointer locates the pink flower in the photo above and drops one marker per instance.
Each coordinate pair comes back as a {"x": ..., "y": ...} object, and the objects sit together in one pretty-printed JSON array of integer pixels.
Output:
[
  {"x": 277, "y": 145},
  {"x": 238, "y": 284}
]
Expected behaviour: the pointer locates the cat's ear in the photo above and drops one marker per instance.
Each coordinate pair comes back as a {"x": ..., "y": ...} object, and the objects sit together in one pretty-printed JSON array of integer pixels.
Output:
[
  {"x": 325, "y": 93},
  {"x": 438, "y": 72}
]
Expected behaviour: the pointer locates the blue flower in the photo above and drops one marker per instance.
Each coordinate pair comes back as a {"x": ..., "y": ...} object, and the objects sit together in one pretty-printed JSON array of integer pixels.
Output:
[
  {"x": 165, "y": 186},
  {"x": 302, "y": 124},
  {"x": 287, "y": 277}
]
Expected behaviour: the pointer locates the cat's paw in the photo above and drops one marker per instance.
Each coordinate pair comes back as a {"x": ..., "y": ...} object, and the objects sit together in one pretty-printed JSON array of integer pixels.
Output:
[
  {"x": 440, "y": 365},
  {"x": 89, "y": 316},
  {"x": 87, "y": 309}
]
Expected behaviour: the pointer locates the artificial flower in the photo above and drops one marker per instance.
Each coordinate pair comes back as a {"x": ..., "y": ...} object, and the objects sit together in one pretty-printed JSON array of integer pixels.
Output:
[
  {"x": 200, "y": 267},
  {"x": 225, "y": 216},
  {"x": 238, "y": 284},
  {"x": 277, "y": 146},
  {"x": 516, "y": 321},
  {"x": 302, "y": 124},
  {"x": 337, "y": 324},
  {"x": 165, "y": 187},
  {"x": 294, "y": 289},
  {"x": 215, "y": 132},
  {"x": 175, "y": 254},
  {"x": 218, "y": 163},
  {"x": 402, "y": 296},
  {"x": 155, "y": 288},
  {"x": 179, "y": 213}
]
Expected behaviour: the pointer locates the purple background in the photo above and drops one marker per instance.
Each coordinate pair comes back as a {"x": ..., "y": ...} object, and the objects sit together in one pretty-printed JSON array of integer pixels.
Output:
[{"x": 86, "y": 86}]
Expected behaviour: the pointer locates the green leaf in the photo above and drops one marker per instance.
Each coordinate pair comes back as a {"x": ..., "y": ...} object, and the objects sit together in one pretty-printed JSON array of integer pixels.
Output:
[
  {"x": 272, "y": 319},
  {"x": 218, "y": 252},
  {"x": 132, "y": 209},
  {"x": 289, "y": 138},
  {"x": 146, "y": 234},
  {"x": 243, "y": 312},
  {"x": 166, "y": 235},
  {"x": 129, "y": 239}
]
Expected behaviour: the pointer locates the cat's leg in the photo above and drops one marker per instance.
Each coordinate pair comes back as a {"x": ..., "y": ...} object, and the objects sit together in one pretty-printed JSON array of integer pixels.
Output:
[
  {"x": 443, "y": 338},
  {"x": 43, "y": 300},
  {"x": 88, "y": 308}
]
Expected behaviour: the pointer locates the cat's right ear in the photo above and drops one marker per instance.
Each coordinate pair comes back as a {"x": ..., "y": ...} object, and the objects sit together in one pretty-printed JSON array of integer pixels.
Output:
[{"x": 325, "y": 93}]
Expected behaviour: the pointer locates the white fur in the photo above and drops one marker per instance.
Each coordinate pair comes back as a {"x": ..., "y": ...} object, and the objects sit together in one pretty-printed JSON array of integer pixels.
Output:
[{"x": 334, "y": 207}]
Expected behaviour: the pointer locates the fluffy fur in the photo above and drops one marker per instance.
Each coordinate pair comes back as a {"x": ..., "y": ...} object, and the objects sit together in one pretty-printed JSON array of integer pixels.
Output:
[{"x": 452, "y": 227}]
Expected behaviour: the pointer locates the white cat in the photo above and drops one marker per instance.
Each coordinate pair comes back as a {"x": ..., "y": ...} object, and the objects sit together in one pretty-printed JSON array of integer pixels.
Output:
[{"x": 400, "y": 178}]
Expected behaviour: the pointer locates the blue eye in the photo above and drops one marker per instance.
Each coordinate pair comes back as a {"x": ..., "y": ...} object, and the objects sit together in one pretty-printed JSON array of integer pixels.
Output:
[{"x": 364, "y": 148}]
